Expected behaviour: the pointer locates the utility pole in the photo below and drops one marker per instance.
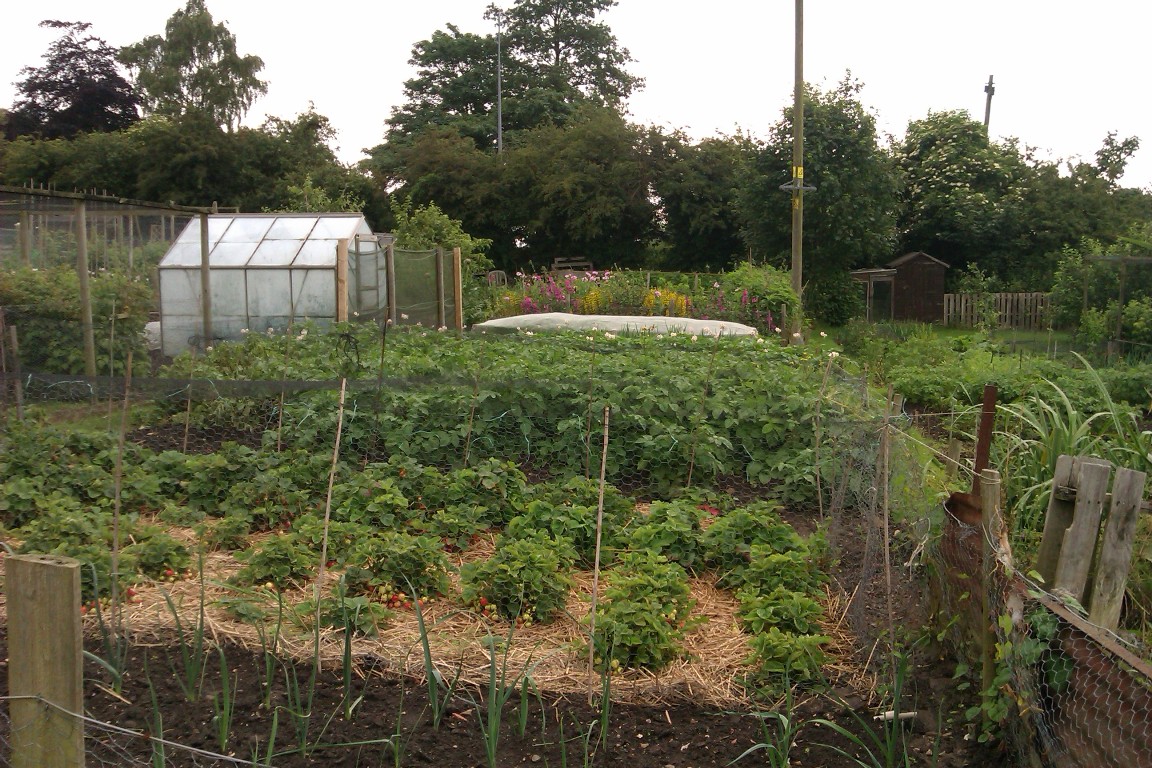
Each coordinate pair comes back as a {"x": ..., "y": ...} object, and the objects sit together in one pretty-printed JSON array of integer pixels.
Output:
[
  {"x": 990, "y": 90},
  {"x": 496, "y": 14},
  {"x": 796, "y": 185}
]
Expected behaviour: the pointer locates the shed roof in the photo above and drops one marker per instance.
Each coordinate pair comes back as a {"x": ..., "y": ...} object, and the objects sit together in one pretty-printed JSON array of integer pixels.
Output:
[
  {"x": 915, "y": 255},
  {"x": 237, "y": 240}
]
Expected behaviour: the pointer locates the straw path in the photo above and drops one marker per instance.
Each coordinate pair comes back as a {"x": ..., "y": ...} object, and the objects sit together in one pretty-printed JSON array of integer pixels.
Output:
[{"x": 555, "y": 654}]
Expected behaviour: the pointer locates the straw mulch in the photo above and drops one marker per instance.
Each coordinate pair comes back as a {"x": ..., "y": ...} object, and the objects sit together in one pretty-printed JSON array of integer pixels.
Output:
[{"x": 554, "y": 655}]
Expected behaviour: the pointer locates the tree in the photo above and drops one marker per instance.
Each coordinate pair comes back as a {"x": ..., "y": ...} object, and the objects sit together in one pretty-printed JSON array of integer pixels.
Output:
[
  {"x": 849, "y": 221},
  {"x": 554, "y": 55},
  {"x": 455, "y": 85},
  {"x": 79, "y": 89},
  {"x": 195, "y": 66},
  {"x": 563, "y": 45},
  {"x": 962, "y": 192},
  {"x": 582, "y": 189},
  {"x": 696, "y": 185}
]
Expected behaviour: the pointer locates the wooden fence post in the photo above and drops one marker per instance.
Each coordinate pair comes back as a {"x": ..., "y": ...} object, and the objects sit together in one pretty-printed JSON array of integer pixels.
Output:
[
  {"x": 1058, "y": 518},
  {"x": 990, "y": 524},
  {"x": 1116, "y": 551},
  {"x": 1079, "y": 544},
  {"x": 45, "y": 661}
]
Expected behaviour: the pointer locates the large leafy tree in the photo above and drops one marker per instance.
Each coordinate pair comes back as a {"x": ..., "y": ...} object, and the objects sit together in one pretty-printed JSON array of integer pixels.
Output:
[
  {"x": 583, "y": 189},
  {"x": 962, "y": 192},
  {"x": 849, "y": 221},
  {"x": 195, "y": 66},
  {"x": 555, "y": 55},
  {"x": 78, "y": 89},
  {"x": 564, "y": 46},
  {"x": 696, "y": 186}
]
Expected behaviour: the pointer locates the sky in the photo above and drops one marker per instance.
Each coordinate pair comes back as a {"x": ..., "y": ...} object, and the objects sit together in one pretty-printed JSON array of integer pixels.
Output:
[{"x": 1066, "y": 73}]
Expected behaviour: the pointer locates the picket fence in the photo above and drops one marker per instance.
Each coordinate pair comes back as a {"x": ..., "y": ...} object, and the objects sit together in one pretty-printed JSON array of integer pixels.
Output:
[{"x": 1024, "y": 311}]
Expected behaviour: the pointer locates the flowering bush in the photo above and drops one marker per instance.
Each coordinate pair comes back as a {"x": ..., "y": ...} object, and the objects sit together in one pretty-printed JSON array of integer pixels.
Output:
[{"x": 751, "y": 295}]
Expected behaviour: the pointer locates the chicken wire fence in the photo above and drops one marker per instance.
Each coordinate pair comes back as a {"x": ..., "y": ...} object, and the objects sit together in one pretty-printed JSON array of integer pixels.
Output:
[{"x": 1064, "y": 692}]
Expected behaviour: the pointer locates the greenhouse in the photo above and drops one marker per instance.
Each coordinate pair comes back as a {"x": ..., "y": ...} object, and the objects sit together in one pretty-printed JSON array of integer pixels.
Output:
[{"x": 268, "y": 270}]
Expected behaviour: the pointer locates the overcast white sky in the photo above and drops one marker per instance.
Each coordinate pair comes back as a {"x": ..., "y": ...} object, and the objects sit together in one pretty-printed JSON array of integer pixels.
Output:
[{"x": 1066, "y": 72}]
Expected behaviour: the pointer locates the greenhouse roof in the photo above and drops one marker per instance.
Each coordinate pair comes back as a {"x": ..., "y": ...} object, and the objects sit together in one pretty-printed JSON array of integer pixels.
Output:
[{"x": 266, "y": 240}]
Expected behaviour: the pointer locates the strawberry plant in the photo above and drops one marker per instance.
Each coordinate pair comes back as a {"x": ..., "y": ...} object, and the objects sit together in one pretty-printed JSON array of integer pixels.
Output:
[
  {"x": 573, "y": 523},
  {"x": 728, "y": 542},
  {"x": 524, "y": 577},
  {"x": 279, "y": 560},
  {"x": 782, "y": 608},
  {"x": 399, "y": 562},
  {"x": 456, "y": 525},
  {"x": 778, "y": 655},
  {"x": 225, "y": 533},
  {"x": 358, "y": 615},
  {"x": 157, "y": 554},
  {"x": 793, "y": 570},
  {"x": 342, "y": 537},
  {"x": 644, "y": 613},
  {"x": 671, "y": 529}
]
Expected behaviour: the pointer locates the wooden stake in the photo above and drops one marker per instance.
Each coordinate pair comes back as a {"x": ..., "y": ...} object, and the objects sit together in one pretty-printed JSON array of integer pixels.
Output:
[
  {"x": 45, "y": 661},
  {"x": 458, "y": 289},
  {"x": 596, "y": 563}
]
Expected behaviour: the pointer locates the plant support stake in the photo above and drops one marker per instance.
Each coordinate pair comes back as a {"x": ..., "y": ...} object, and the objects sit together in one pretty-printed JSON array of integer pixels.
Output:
[{"x": 596, "y": 560}]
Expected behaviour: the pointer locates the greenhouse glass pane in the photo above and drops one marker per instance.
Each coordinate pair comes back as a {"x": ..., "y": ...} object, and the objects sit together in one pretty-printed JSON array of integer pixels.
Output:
[
  {"x": 182, "y": 255},
  {"x": 314, "y": 293},
  {"x": 317, "y": 253},
  {"x": 291, "y": 228},
  {"x": 232, "y": 254},
  {"x": 216, "y": 227},
  {"x": 336, "y": 227},
  {"x": 269, "y": 295},
  {"x": 275, "y": 253},
  {"x": 247, "y": 230}
]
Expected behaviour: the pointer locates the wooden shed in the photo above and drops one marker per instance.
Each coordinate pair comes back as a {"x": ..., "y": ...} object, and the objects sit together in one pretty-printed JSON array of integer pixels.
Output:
[{"x": 918, "y": 288}]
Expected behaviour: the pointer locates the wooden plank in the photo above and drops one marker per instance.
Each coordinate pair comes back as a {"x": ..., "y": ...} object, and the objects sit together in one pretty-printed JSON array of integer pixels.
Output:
[
  {"x": 45, "y": 661},
  {"x": 1116, "y": 549},
  {"x": 1056, "y": 521},
  {"x": 1079, "y": 546}
]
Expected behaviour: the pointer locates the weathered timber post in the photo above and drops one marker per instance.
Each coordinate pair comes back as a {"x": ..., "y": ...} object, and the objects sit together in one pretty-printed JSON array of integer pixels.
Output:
[
  {"x": 1061, "y": 507},
  {"x": 45, "y": 661},
  {"x": 1079, "y": 541},
  {"x": 438, "y": 260},
  {"x": 458, "y": 289},
  {"x": 1116, "y": 551},
  {"x": 990, "y": 524}
]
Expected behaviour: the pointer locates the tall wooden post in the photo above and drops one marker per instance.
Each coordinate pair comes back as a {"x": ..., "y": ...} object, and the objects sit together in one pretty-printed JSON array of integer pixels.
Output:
[
  {"x": 205, "y": 283},
  {"x": 458, "y": 289},
  {"x": 798, "y": 165},
  {"x": 45, "y": 661},
  {"x": 439, "y": 259},
  {"x": 25, "y": 239},
  {"x": 85, "y": 289},
  {"x": 342, "y": 280},
  {"x": 990, "y": 524},
  {"x": 390, "y": 281}
]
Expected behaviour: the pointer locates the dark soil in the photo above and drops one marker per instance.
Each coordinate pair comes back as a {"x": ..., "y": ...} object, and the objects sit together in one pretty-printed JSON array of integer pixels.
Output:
[
  {"x": 391, "y": 714},
  {"x": 391, "y": 722}
]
